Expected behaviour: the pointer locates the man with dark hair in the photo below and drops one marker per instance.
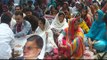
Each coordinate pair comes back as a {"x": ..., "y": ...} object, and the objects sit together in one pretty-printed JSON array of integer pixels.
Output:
[
  {"x": 6, "y": 18},
  {"x": 22, "y": 27},
  {"x": 6, "y": 35},
  {"x": 30, "y": 5},
  {"x": 32, "y": 48},
  {"x": 18, "y": 8}
]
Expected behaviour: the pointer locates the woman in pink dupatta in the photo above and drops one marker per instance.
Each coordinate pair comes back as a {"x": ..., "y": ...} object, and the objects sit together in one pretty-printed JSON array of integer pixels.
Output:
[
  {"x": 71, "y": 44},
  {"x": 104, "y": 9}
]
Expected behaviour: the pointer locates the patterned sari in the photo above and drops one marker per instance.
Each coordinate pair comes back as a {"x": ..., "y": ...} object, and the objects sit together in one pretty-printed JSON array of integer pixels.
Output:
[{"x": 72, "y": 42}]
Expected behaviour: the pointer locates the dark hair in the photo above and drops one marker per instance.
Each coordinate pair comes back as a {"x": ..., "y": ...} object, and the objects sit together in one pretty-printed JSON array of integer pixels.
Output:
[
  {"x": 42, "y": 19},
  {"x": 51, "y": 7},
  {"x": 105, "y": 18},
  {"x": 18, "y": 6},
  {"x": 30, "y": 2},
  {"x": 27, "y": 9},
  {"x": 86, "y": 9},
  {"x": 33, "y": 20},
  {"x": 38, "y": 40},
  {"x": 19, "y": 13},
  {"x": 6, "y": 17},
  {"x": 82, "y": 5}
]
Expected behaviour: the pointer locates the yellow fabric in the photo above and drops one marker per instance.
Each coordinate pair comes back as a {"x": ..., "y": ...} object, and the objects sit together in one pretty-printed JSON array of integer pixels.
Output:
[{"x": 84, "y": 26}]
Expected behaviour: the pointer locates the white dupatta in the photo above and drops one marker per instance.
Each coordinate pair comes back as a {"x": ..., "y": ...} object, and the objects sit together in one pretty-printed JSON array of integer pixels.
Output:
[
  {"x": 57, "y": 25},
  {"x": 46, "y": 40}
]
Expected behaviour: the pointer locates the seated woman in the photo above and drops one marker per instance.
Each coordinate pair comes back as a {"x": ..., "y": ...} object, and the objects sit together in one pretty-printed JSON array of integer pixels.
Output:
[
  {"x": 70, "y": 41},
  {"x": 100, "y": 43},
  {"x": 59, "y": 24},
  {"x": 97, "y": 26},
  {"x": 86, "y": 16},
  {"x": 46, "y": 33},
  {"x": 51, "y": 13}
]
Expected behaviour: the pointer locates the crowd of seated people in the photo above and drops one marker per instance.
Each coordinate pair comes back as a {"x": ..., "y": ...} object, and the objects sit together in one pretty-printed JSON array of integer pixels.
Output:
[{"x": 52, "y": 29}]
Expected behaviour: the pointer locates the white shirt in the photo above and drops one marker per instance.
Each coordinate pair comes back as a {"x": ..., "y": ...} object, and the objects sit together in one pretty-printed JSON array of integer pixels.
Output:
[
  {"x": 6, "y": 35},
  {"x": 0, "y": 19},
  {"x": 12, "y": 23}
]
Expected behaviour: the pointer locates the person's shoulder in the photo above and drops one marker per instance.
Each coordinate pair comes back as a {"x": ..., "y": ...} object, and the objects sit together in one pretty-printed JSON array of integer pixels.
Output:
[{"x": 27, "y": 23}]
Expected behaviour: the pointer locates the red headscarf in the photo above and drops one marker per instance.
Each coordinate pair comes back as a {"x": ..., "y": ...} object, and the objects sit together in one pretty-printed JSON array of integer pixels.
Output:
[{"x": 71, "y": 28}]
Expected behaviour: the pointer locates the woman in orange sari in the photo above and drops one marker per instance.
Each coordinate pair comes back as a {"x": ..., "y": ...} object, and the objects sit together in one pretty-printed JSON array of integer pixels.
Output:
[{"x": 70, "y": 41}]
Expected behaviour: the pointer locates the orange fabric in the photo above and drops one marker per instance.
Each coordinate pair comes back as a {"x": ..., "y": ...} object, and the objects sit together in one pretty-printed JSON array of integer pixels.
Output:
[{"x": 75, "y": 40}]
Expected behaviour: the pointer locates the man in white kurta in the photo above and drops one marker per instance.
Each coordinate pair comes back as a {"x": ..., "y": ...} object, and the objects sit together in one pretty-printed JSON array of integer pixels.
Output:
[{"x": 6, "y": 36}]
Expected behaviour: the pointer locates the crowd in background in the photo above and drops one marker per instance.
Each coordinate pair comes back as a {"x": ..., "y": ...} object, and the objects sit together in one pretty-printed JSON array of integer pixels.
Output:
[{"x": 66, "y": 28}]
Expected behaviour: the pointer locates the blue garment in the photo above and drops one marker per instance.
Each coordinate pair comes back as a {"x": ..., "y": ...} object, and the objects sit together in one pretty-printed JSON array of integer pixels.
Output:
[
  {"x": 102, "y": 35},
  {"x": 101, "y": 45},
  {"x": 25, "y": 29},
  {"x": 97, "y": 26}
]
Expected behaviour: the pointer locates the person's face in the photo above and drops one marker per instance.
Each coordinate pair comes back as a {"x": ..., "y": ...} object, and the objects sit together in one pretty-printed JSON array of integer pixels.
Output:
[
  {"x": 5, "y": 8},
  {"x": 61, "y": 18},
  {"x": 66, "y": 12},
  {"x": 96, "y": 16},
  {"x": 78, "y": 17},
  {"x": 65, "y": 5},
  {"x": 80, "y": 7},
  {"x": 76, "y": 24},
  {"x": 58, "y": 7},
  {"x": 28, "y": 13},
  {"x": 77, "y": 6},
  {"x": 19, "y": 19},
  {"x": 31, "y": 50},
  {"x": 17, "y": 9},
  {"x": 52, "y": 9},
  {"x": 40, "y": 24},
  {"x": 84, "y": 12}
]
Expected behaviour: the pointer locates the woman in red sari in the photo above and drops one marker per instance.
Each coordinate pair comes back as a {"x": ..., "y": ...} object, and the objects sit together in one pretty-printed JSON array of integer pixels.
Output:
[{"x": 70, "y": 41}]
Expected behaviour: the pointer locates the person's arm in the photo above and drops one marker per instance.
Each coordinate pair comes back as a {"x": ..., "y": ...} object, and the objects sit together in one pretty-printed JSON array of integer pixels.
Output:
[
  {"x": 55, "y": 31},
  {"x": 51, "y": 38},
  {"x": 91, "y": 44},
  {"x": 24, "y": 31},
  {"x": 61, "y": 37}
]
